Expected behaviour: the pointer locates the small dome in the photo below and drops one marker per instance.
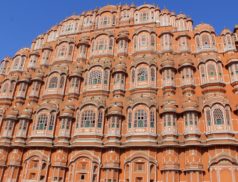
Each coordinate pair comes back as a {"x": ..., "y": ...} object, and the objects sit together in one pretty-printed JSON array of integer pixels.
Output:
[
  {"x": 23, "y": 51},
  {"x": 225, "y": 31},
  {"x": 204, "y": 27},
  {"x": 181, "y": 16},
  {"x": 165, "y": 11}
]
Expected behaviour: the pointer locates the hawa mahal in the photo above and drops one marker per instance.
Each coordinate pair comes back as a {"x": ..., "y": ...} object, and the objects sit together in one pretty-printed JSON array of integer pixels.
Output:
[{"x": 122, "y": 94}]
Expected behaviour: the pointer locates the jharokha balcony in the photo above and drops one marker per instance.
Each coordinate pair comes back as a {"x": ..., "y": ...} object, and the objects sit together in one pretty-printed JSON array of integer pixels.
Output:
[{"x": 121, "y": 94}]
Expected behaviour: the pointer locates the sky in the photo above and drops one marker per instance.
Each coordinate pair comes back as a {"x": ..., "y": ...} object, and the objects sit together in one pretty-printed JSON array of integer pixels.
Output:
[{"x": 23, "y": 20}]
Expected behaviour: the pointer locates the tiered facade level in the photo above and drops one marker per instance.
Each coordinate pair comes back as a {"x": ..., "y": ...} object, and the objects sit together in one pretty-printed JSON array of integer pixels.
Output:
[{"x": 121, "y": 94}]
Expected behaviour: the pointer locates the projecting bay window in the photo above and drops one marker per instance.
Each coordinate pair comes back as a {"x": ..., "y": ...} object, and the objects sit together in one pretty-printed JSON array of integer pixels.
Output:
[
  {"x": 65, "y": 127},
  {"x": 187, "y": 76},
  {"x": 168, "y": 76},
  {"x": 82, "y": 51},
  {"x": 218, "y": 119},
  {"x": 119, "y": 81},
  {"x": 191, "y": 123},
  {"x": 122, "y": 46},
  {"x": 98, "y": 79},
  {"x": 45, "y": 57},
  {"x": 22, "y": 90},
  {"x": 18, "y": 63},
  {"x": 22, "y": 128},
  {"x": 142, "y": 120},
  {"x": 45, "y": 124},
  {"x": 169, "y": 124},
  {"x": 74, "y": 85},
  {"x": 89, "y": 120},
  {"x": 233, "y": 70},
  {"x": 33, "y": 61},
  {"x": 7, "y": 129},
  {"x": 166, "y": 42},
  {"x": 35, "y": 91}
]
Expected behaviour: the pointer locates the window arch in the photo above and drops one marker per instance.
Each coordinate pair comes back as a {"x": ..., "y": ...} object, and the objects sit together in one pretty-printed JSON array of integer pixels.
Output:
[
  {"x": 95, "y": 77},
  {"x": 206, "y": 40},
  {"x": 142, "y": 74},
  {"x": 88, "y": 119},
  {"x": 62, "y": 51},
  {"x": 5, "y": 87},
  {"x": 42, "y": 122},
  {"x": 153, "y": 74},
  {"x": 211, "y": 70},
  {"x": 218, "y": 116},
  {"x": 53, "y": 82},
  {"x": 140, "y": 119}
]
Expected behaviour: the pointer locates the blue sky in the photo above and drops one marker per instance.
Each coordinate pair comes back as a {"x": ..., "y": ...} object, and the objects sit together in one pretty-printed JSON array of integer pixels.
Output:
[{"x": 22, "y": 20}]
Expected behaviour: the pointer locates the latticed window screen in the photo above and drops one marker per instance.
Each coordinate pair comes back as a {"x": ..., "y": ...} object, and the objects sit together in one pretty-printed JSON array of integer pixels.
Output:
[
  {"x": 88, "y": 119},
  {"x": 211, "y": 70},
  {"x": 52, "y": 120},
  {"x": 152, "y": 119},
  {"x": 228, "y": 115},
  {"x": 95, "y": 77},
  {"x": 140, "y": 119},
  {"x": 100, "y": 119},
  {"x": 42, "y": 122},
  {"x": 208, "y": 116},
  {"x": 129, "y": 120},
  {"x": 53, "y": 82},
  {"x": 218, "y": 116},
  {"x": 152, "y": 72},
  {"x": 142, "y": 74}
]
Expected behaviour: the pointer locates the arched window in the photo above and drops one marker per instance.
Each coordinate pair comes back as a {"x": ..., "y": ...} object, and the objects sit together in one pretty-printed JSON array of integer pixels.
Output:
[
  {"x": 143, "y": 41},
  {"x": 198, "y": 42},
  {"x": 133, "y": 76},
  {"x": 218, "y": 116},
  {"x": 153, "y": 40},
  {"x": 52, "y": 121},
  {"x": 228, "y": 115},
  {"x": 129, "y": 119},
  {"x": 62, "y": 51},
  {"x": 140, "y": 119},
  {"x": 53, "y": 82},
  {"x": 153, "y": 74},
  {"x": 100, "y": 119},
  {"x": 5, "y": 87},
  {"x": 62, "y": 82},
  {"x": 88, "y": 119},
  {"x": 206, "y": 41},
  {"x": 106, "y": 75},
  {"x": 208, "y": 117},
  {"x": 111, "y": 43},
  {"x": 42, "y": 122},
  {"x": 142, "y": 74},
  {"x": 70, "y": 50},
  {"x": 95, "y": 77},
  {"x": 211, "y": 70},
  {"x": 152, "y": 119}
]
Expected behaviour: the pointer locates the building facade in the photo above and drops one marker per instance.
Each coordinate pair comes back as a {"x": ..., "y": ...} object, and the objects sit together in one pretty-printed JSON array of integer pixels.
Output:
[{"x": 121, "y": 94}]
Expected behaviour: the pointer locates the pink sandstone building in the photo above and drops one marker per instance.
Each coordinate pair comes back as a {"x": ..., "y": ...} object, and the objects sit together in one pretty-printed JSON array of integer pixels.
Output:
[{"x": 121, "y": 94}]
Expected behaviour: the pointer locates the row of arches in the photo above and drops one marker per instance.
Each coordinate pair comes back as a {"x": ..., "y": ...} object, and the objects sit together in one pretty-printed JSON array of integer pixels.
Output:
[
  {"x": 86, "y": 166},
  {"x": 142, "y": 75}
]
